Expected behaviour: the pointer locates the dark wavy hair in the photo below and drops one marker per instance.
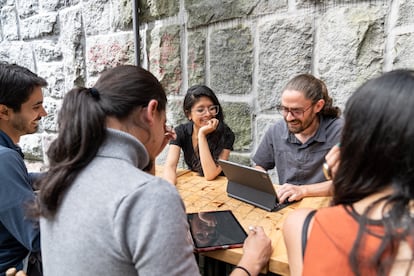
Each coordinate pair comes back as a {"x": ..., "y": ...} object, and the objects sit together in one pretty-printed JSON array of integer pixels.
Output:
[
  {"x": 17, "y": 84},
  {"x": 82, "y": 125},
  {"x": 315, "y": 90},
  {"x": 193, "y": 95},
  {"x": 377, "y": 151}
]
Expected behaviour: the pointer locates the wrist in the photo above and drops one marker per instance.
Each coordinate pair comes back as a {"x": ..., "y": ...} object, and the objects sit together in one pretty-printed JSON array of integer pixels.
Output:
[
  {"x": 243, "y": 268},
  {"x": 304, "y": 190},
  {"x": 201, "y": 135},
  {"x": 252, "y": 267}
]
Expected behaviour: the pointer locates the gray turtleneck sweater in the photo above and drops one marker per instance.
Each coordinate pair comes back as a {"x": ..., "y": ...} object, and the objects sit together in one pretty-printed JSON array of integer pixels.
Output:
[{"x": 118, "y": 220}]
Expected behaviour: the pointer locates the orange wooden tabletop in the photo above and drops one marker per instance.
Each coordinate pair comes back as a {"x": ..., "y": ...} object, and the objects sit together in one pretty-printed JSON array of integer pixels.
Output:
[{"x": 199, "y": 194}]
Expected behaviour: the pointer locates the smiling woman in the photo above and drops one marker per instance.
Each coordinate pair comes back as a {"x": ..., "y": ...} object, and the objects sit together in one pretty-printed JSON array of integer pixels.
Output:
[{"x": 204, "y": 139}]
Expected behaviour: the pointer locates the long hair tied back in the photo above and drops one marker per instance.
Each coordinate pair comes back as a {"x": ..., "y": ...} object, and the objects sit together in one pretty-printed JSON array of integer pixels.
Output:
[{"x": 82, "y": 128}]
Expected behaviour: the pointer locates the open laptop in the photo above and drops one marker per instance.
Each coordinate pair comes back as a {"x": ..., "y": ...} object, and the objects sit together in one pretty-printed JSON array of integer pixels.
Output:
[{"x": 251, "y": 185}]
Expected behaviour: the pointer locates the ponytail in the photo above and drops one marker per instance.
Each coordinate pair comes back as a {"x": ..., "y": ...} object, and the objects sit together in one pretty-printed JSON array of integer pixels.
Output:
[{"x": 81, "y": 132}]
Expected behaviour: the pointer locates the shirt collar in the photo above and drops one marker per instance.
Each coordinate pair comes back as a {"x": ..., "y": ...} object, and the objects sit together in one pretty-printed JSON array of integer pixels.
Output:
[
  {"x": 320, "y": 135},
  {"x": 7, "y": 142}
]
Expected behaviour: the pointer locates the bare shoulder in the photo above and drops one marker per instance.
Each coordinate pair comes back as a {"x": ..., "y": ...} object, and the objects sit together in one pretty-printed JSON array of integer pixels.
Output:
[
  {"x": 292, "y": 231},
  {"x": 295, "y": 219}
]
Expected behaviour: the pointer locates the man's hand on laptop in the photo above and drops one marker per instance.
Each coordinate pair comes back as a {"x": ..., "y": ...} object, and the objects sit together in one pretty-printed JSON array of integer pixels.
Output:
[{"x": 291, "y": 192}]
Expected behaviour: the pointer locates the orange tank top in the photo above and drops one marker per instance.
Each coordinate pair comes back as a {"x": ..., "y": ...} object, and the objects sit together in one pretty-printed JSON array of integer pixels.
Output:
[{"x": 331, "y": 240}]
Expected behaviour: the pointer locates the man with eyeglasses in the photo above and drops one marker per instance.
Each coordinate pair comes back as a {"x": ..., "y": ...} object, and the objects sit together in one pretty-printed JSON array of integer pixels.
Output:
[{"x": 297, "y": 145}]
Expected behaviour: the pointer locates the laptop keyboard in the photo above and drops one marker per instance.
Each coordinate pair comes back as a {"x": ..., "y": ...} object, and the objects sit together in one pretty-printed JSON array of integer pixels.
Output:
[{"x": 281, "y": 205}]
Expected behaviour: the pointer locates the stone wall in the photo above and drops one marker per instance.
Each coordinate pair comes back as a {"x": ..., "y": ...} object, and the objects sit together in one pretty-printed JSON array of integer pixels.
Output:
[{"x": 245, "y": 51}]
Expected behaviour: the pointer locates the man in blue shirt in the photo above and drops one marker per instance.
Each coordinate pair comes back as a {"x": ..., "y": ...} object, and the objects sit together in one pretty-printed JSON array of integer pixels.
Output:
[
  {"x": 21, "y": 108},
  {"x": 297, "y": 144}
]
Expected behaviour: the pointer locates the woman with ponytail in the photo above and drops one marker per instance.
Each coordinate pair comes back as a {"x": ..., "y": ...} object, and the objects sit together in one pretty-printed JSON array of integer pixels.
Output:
[{"x": 102, "y": 211}]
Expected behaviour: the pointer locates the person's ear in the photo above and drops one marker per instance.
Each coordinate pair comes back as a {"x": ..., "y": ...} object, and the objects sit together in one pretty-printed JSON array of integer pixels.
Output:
[
  {"x": 4, "y": 112},
  {"x": 187, "y": 113},
  {"x": 152, "y": 111},
  {"x": 319, "y": 105}
]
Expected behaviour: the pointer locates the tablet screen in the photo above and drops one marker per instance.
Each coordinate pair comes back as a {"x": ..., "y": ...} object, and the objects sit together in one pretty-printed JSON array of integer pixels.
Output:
[{"x": 215, "y": 230}]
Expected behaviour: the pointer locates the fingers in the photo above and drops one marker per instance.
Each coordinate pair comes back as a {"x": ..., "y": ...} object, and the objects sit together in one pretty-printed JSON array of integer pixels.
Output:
[
  {"x": 289, "y": 192},
  {"x": 214, "y": 123},
  {"x": 11, "y": 271},
  {"x": 332, "y": 162},
  {"x": 211, "y": 126},
  {"x": 170, "y": 134},
  {"x": 257, "y": 249}
]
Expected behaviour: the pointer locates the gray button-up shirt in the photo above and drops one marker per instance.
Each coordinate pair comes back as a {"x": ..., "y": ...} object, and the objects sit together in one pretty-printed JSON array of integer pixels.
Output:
[{"x": 298, "y": 163}]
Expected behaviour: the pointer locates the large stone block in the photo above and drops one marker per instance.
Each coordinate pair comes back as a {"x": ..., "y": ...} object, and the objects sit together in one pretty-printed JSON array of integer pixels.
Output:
[
  {"x": 405, "y": 13},
  {"x": 264, "y": 7},
  {"x": 96, "y": 16},
  {"x": 72, "y": 44},
  {"x": 103, "y": 52},
  {"x": 38, "y": 26},
  {"x": 35, "y": 165},
  {"x": 240, "y": 158},
  {"x": 175, "y": 113},
  {"x": 52, "y": 107},
  {"x": 350, "y": 48},
  {"x": 231, "y": 60},
  {"x": 165, "y": 57},
  {"x": 122, "y": 15},
  {"x": 55, "y": 77},
  {"x": 28, "y": 8},
  {"x": 47, "y": 50},
  {"x": 18, "y": 52},
  {"x": 32, "y": 146},
  {"x": 207, "y": 12},
  {"x": 196, "y": 60},
  {"x": 262, "y": 124},
  {"x": 285, "y": 50},
  {"x": 54, "y": 5},
  {"x": 404, "y": 58},
  {"x": 157, "y": 9},
  {"x": 238, "y": 117},
  {"x": 8, "y": 20},
  {"x": 47, "y": 139}
]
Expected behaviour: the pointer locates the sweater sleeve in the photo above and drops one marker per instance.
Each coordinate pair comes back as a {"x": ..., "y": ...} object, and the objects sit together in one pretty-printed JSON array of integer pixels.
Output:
[
  {"x": 156, "y": 233},
  {"x": 15, "y": 196}
]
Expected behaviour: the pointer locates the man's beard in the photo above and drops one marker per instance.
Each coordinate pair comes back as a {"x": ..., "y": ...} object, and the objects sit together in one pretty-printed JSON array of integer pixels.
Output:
[{"x": 301, "y": 126}]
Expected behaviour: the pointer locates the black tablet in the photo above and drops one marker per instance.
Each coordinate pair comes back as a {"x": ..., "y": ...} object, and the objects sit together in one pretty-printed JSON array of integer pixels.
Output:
[{"x": 215, "y": 230}]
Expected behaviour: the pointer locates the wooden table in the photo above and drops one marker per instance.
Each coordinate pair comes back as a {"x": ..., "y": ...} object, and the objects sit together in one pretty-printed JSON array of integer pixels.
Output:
[{"x": 199, "y": 194}]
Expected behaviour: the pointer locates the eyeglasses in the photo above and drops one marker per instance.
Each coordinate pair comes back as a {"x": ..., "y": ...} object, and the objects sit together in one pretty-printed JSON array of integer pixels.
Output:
[
  {"x": 296, "y": 112},
  {"x": 212, "y": 109}
]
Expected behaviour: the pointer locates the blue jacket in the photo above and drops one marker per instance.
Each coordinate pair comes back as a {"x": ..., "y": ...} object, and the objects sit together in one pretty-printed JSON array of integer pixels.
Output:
[{"x": 18, "y": 234}]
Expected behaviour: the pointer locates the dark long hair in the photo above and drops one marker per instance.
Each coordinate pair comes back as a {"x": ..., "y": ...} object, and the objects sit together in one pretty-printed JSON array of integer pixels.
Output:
[
  {"x": 17, "y": 84},
  {"x": 314, "y": 89},
  {"x": 377, "y": 151},
  {"x": 82, "y": 125},
  {"x": 193, "y": 95}
]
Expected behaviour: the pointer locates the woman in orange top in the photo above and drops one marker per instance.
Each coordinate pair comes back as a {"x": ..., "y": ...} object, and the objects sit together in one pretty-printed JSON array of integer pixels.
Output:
[{"x": 369, "y": 229}]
